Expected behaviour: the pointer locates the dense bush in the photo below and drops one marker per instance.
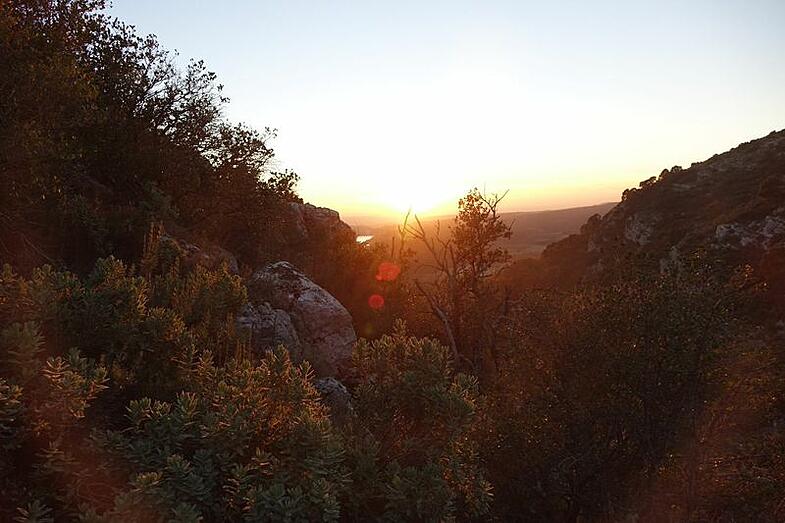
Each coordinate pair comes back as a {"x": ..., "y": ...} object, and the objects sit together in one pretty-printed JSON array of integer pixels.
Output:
[
  {"x": 43, "y": 401},
  {"x": 171, "y": 418},
  {"x": 414, "y": 448},
  {"x": 101, "y": 134},
  {"x": 243, "y": 442},
  {"x": 598, "y": 389}
]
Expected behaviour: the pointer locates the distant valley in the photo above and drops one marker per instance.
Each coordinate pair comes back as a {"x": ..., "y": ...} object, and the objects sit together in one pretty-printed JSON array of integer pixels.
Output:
[{"x": 532, "y": 231}]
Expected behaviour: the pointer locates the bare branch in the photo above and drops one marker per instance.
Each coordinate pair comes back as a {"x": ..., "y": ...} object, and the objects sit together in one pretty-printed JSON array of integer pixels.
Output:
[{"x": 443, "y": 317}]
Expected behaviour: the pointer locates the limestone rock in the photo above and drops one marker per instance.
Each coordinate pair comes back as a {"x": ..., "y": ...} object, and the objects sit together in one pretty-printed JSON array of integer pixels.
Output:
[
  {"x": 324, "y": 327},
  {"x": 758, "y": 233},
  {"x": 639, "y": 229},
  {"x": 308, "y": 222},
  {"x": 267, "y": 328}
]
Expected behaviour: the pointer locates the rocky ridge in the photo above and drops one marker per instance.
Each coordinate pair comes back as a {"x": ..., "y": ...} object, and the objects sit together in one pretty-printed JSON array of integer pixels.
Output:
[
  {"x": 731, "y": 207},
  {"x": 308, "y": 222}
]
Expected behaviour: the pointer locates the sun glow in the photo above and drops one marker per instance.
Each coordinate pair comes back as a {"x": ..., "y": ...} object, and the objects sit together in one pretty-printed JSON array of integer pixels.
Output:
[
  {"x": 379, "y": 110},
  {"x": 421, "y": 197}
]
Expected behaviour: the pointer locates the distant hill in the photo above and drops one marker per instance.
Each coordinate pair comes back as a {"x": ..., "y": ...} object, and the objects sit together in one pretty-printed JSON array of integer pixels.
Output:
[
  {"x": 532, "y": 231},
  {"x": 730, "y": 208}
]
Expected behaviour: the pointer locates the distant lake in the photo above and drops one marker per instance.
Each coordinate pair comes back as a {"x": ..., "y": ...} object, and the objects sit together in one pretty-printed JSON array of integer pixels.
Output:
[{"x": 364, "y": 238}]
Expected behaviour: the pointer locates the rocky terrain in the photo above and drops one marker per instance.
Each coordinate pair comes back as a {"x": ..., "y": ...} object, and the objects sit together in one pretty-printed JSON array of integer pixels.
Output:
[
  {"x": 286, "y": 308},
  {"x": 729, "y": 209}
]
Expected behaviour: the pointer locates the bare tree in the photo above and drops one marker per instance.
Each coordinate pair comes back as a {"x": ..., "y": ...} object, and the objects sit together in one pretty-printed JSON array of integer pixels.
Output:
[{"x": 462, "y": 296}]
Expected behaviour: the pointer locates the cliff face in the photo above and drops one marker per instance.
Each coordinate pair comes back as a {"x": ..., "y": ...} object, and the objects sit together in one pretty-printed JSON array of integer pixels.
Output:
[{"x": 730, "y": 207}]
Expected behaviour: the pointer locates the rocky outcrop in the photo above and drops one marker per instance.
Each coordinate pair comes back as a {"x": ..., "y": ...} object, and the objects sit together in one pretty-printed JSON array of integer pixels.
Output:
[
  {"x": 308, "y": 222},
  {"x": 640, "y": 229},
  {"x": 268, "y": 328},
  {"x": 757, "y": 233},
  {"x": 323, "y": 326}
]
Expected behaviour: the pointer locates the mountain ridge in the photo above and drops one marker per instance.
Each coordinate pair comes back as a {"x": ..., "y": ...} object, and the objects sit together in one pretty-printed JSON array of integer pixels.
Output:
[{"x": 731, "y": 207}]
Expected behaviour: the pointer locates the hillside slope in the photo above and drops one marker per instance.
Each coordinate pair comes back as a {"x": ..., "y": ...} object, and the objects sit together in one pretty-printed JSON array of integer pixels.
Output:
[
  {"x": 532, "y": 231},
  {"x": 731, "y": 208}
]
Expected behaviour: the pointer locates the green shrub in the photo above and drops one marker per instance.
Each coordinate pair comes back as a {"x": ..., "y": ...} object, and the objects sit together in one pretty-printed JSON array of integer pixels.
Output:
[
  {"x": 43, "y": 402},
  {"x": 413, "y": 447},
  {"x": 245, "y": 443},
  {"x": 598, "y": 389}
]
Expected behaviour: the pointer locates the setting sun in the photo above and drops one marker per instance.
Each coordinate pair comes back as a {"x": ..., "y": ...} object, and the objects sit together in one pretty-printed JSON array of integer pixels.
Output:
[
  {"x": 380, "y": 109},
  {"x": 427, "y": 197}
]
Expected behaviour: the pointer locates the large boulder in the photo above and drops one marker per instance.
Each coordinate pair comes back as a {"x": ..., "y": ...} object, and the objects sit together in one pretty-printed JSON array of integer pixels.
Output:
[
  {"x": 268, "y": 328},
  {"x": 323, "y": 326}
]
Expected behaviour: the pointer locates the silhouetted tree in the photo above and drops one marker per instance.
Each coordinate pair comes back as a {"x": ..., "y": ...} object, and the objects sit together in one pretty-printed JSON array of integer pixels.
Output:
[{"x": 463, "y": 296}]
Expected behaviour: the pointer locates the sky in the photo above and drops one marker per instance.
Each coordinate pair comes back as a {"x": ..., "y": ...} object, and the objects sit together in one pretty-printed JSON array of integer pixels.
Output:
[{"x": 383, "y": 106}]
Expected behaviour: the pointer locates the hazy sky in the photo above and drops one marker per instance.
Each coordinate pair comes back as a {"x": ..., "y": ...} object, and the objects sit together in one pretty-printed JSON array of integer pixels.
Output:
[{"x": 382, "y": 105}]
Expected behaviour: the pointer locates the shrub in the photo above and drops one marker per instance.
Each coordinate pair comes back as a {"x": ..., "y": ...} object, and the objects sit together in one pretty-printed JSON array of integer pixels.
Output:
[
  {"x": 413, "y": 447},
  {"x": 598, "y": 388},
  {"x": 43, "y": 401},
  {"x": 244, "y": 443}
]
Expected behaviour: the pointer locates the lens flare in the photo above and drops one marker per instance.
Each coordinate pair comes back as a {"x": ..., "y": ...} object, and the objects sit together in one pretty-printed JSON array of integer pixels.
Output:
[
  {"x": 388, "y": 271},
  {"x": 376, "y": 301}
]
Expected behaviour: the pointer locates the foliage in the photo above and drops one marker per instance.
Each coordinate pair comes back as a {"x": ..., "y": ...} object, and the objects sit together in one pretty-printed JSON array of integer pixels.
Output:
[
  {"x": 615, "y": 379},
  {"x": 478, "y": 227},
  {"x": 43, "y": 402},
  {"x": 34, "y": 512},
  {"x": 210, "y": 433},
  {"x": 245, "y": 443},
  {"x": 48, "y": 386},
  {"x": 413, "y": 446},
  {"x": 102, "y": 134},
  {"x": 463, "y": 297}
]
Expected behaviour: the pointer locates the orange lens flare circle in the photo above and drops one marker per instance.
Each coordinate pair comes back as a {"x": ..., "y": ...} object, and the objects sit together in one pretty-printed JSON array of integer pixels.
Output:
[
  {"x": 388, "y": 271},
  {"x": 376, "y": 301}
]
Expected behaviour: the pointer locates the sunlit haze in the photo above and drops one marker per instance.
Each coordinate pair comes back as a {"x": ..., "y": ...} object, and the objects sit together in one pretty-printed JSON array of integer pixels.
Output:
[{"x": 383, "y": 106}]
